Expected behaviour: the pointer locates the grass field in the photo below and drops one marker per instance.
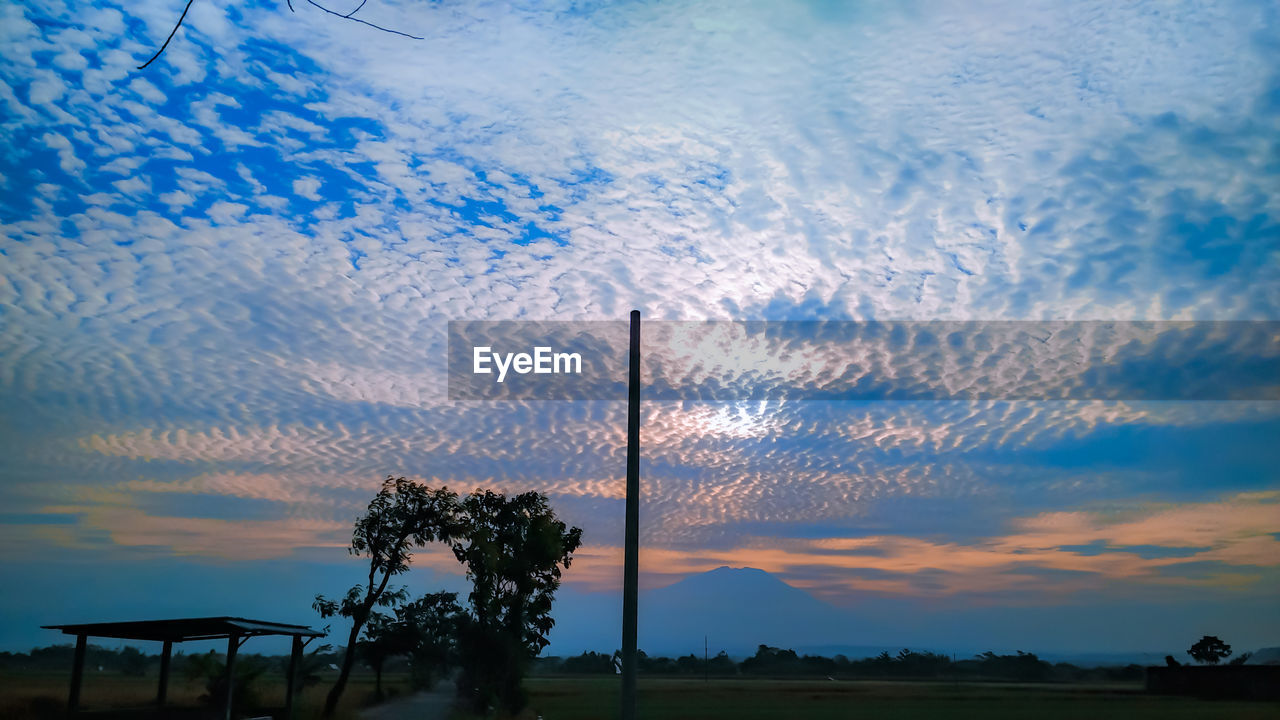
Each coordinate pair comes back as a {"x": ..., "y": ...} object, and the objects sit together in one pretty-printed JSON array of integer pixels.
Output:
[
  {"x": 33, "y": 696},
  {"x": 745, "y": 699},
  {"x": 38, "y": 695}
]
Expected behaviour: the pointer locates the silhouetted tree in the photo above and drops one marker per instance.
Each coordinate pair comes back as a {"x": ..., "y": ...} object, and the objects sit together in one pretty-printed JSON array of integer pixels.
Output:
[
  {"x": 403, "y": 515},
  {"x": 429, "y": 627},
  {"x": 382, "y": 641},
  {"x": 656, "y": 665},
  {"x": 310, "y": 668},
  {"x": 133, "y": 661},
  {"x": 1023, "y": 666},
  {"x": 689, "y": 664},
  {"x": 1241, "y": 659},
  {"x": 772, "y": 661},
  {"x": 514, "y": 549},
  {"x": 422, "y": 630},
  {"x": 589, "y": 663},
  {"x": 1209, "y": 649},
  {"x": 722, "y": 664},
  {"x": 929, "y": 664},
  {"x": 211, "y": 669}
]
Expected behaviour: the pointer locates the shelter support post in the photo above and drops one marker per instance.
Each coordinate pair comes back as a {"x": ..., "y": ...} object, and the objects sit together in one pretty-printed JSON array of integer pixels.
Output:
[
  {"x": 162, "y": 694},
  {"x": 77, "y": 674},
  {"x": 631, "y": 559},
  {"x": 233, "y": 644},
  {"x": 290, "y": 683}
]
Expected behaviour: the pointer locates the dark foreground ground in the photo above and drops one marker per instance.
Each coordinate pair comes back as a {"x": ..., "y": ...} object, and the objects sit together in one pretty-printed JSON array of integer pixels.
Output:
[
  {"x": 42, "y": 695},
  {"x": 676, "y": 699},
  {"x": 596, "y": 698}
]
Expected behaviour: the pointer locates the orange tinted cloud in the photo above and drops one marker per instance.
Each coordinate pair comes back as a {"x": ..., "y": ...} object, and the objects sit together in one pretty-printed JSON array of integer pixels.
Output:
[{"x": 1236, "y": 532}]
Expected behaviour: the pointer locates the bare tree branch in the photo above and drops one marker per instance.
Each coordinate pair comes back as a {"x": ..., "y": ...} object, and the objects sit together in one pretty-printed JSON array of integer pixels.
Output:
[
  {"x": 348, "y": 16},
  {"x": 353, "y": 12},
  {"x": 171, "y": 34},
  {"x": 365, "y": 22}
]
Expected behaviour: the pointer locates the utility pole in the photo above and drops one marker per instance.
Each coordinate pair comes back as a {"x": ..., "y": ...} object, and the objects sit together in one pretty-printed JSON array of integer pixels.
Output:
[
  {"x": 631, "y": 559},
  {"x": 706, "y": 678}
]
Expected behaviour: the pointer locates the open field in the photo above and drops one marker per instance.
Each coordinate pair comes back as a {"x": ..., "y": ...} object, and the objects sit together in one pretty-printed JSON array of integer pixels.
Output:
[
  {"x": 596, "y": 698},
  {"x": 37, "y": 695},
  {"x": 565, "y": 698}
]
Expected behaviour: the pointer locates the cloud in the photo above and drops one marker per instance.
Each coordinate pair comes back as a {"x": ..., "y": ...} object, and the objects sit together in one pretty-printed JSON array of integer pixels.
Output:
[
  {"x": 1235, "y": 534},
  {"x": 66, "y": 153},
  {"x": 307, "y": 187},
  {"x": 231, "y": 276},
  {"x": 213, "y": 538}
]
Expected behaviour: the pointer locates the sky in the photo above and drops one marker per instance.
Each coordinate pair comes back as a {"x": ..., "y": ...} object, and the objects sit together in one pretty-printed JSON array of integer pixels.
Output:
[{"x": 226, "y": 283}]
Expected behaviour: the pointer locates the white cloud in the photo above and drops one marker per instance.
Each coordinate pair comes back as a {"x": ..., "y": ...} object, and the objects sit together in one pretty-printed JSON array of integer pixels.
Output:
[
  {"x": 147, "y": 91},
  {"x": 694, "y": 160},
  {"x": 307, "y": 187},
  {"x": 66, "y": 153}
]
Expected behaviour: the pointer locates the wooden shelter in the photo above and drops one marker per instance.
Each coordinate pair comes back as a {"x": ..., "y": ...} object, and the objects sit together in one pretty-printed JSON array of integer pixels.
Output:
[{"x": 233, "y": 629}]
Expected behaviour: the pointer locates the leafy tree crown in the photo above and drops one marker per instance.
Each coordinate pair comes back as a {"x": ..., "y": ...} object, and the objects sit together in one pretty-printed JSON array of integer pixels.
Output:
[{"x": 1209, "y": 650}]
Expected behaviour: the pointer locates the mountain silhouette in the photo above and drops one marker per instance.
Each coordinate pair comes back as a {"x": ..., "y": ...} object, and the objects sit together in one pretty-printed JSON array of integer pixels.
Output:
[
  {"x": 1265, "y": 656},
  {"x": 737, "y": 609}
]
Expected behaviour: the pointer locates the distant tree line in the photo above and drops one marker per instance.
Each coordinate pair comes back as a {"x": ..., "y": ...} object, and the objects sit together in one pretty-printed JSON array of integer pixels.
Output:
[
  {"x": 387, "y": 650},
  {"x": 126, "y": 661},
  {"x": 206, "y": 670},
  {"x": 906, "y": 664},
  {"x": 132, "y": 661}
]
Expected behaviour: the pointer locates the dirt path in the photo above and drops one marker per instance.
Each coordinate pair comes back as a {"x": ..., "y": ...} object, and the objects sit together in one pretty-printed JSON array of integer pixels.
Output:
[{"x": 425, "y": 705}]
